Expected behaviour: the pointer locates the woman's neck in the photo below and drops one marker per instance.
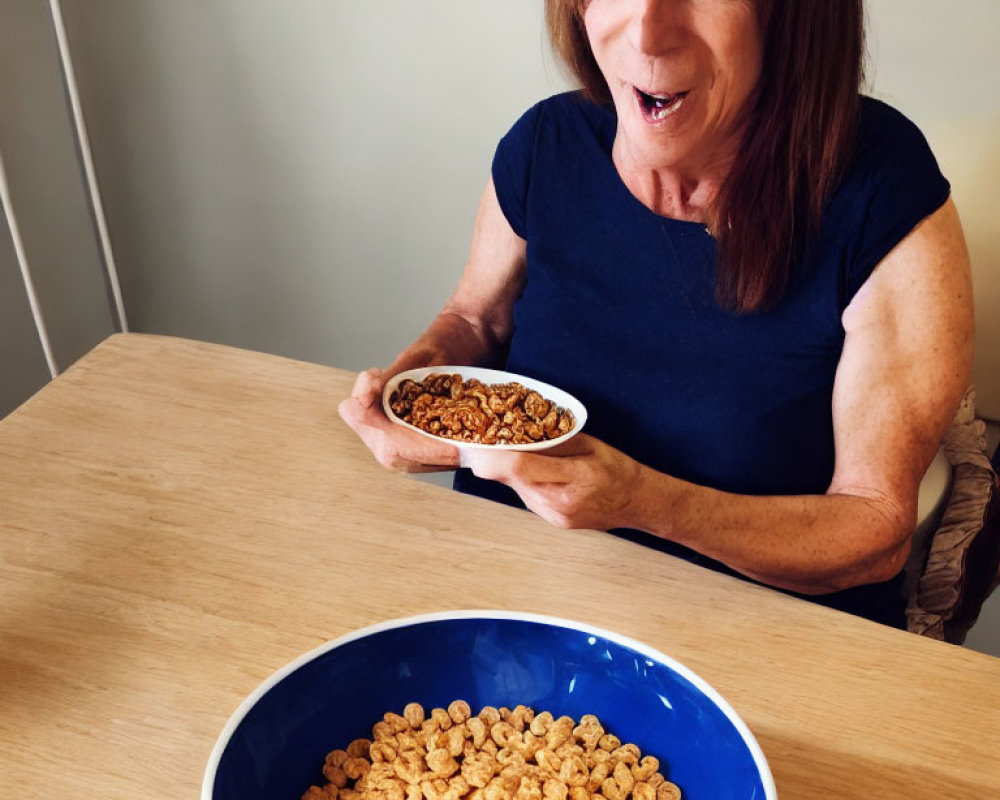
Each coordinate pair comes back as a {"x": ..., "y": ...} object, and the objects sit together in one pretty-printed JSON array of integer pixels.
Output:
[{"x": 678, "y": 193}]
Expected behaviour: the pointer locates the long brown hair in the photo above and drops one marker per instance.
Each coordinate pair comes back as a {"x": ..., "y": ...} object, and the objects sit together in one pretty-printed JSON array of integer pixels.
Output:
[{"x": 798, "y": 141}]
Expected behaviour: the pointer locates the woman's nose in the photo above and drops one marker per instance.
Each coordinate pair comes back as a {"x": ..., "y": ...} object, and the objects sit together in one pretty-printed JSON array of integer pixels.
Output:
[{"x": 657, "y": 25}]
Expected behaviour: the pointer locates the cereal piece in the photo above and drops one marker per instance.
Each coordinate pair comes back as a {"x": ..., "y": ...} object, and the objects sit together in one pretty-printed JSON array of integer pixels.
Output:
[
  {"x": 477, "y": 729},
  {"x": 609, "y": 742},
  {"x": 559, "y": 732},
  {"x": 441, "y": 763},
  {"x": 434, "y": 789},
  {"x": 396, "y": 722},
  {"x": 530, "y": 745},
  {"x": 317, "y": 793},
  {"x": 382, "y": 731},
  {"x": 570, "y": 748},
  {"x": 490, "y": 716},
  {"x": 554, "y": 790},
  {"x": 611, "y": 790},
  {"x": 441, "y": 717},
  {"x": 414, "y": 715},
  {"x": 646, "y": 768},
  {"x": 668, "y": 791},
  {"x": 410, "y": 767},
  {"x": 629, "y": 753},
  {"x": 528, "y": 789},
  {"x": 508, "y": 757},
  {"x": 336, "y": 758},
  {"x": 579, "y": 793},
  {"x": 503, "y": 733},
  {"x": 623, "y": 776},
  {"x": 573, "y": 771},
  {"x": 458, "y": 786},
  {"x": 548, "y": 761},
  {"x": 600, "y": 771},
  {"x": 358, "y": 748},
  {"x": 335, "y": 775},
  {"x": 382, "y": 751},
  {"x": 356, "y": 767},
  {"x": 459, "y": 711},
  {"x": 456, "y": 739},
  {"x": 496, "y": 790},
  {"x": 379, "y": 776},
  {"x": 540, "y": 724},
  {"x": 643, "y": 791},
  {"x": 521, "y": 716},
  {"x": 393, "y": 791},
  {"x": 589, "y": 731},
  {"x": 478, "y": 769}
]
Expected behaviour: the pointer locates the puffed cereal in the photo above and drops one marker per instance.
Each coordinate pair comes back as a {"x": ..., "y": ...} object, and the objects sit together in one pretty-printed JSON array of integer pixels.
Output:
[
  {"x": 472, "y": 411},
  {"x": 498, "y": 754}
]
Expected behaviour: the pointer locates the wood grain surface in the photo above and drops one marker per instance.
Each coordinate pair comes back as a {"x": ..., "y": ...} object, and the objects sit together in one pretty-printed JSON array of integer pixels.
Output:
[{"x": 180, "y": 519}]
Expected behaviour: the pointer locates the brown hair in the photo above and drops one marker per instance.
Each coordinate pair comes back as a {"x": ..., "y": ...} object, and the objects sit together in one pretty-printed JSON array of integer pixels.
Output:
[{"x": 798, "y": 140}]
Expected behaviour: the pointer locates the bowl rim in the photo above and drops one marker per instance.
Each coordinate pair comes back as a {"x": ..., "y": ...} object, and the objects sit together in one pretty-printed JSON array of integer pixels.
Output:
[
  {"x": 215, "y": 757},
  {"x": 487, "y": 375}
]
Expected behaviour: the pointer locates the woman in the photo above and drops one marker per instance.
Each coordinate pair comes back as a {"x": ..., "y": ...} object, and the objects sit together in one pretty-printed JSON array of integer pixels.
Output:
[{"x": 752, "y": 276}]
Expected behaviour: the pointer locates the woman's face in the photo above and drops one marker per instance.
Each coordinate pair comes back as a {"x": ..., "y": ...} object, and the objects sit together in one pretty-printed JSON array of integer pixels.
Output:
[{"x": 682, "y": 74}]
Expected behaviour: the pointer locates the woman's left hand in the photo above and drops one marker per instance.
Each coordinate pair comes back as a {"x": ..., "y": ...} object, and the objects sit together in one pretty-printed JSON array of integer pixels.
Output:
[{"x": 584, "y": 483}]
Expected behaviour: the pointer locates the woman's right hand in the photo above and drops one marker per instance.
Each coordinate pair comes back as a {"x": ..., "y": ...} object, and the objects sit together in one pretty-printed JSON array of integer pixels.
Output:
[{"x": 393, "y": 446}]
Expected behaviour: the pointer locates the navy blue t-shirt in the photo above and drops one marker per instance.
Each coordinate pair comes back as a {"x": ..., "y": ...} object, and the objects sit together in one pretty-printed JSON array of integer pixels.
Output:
[{"x": 619, "y": 309}]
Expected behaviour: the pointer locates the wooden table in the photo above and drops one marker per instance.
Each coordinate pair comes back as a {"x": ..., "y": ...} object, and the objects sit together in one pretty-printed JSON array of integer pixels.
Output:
[{"x": 179, "y": 519}]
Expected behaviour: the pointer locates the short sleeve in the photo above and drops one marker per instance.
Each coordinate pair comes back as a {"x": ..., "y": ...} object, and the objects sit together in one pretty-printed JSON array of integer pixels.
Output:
[
  {"x": 512, "y": 164},
  {"x": 899, "y": 183}
]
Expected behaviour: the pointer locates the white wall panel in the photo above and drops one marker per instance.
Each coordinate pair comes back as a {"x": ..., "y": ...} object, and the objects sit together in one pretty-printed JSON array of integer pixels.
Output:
[
  {"x": 22, "y": 362},
  {"x": 46, "y": 184}
]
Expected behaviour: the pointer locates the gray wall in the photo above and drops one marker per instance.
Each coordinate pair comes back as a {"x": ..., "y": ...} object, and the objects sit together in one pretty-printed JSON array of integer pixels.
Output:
[{"x": 300, "y": 176}]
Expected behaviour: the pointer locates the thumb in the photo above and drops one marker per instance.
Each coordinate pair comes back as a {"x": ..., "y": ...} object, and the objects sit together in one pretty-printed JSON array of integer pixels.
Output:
[{"x": 368, "y": 387}]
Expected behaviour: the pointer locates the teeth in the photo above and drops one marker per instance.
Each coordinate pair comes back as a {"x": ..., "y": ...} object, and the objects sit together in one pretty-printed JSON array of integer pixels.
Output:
[
  {"x": 658, "y": 106},
  {"x": 664, "y": 108}
]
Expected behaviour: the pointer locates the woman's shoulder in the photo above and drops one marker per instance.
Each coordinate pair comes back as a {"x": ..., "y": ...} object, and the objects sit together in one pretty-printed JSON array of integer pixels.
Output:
[
  {"x": 567, "y": 114},
  {"x": 887, "y": 135},
  {"x": 892, "y": 183}
]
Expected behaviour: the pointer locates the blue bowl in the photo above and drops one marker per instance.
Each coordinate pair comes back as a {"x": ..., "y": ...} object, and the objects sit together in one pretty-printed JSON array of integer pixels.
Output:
[{"x": 274, "y": 745}]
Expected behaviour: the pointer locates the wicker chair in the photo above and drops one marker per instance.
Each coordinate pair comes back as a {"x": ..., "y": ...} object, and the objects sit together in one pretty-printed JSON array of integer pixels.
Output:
[{"x": 957, "y": 567}]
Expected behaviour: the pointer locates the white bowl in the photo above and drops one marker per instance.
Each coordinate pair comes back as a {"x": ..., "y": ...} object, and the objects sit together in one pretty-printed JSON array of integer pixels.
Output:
[{"x": 490, "y": 376}]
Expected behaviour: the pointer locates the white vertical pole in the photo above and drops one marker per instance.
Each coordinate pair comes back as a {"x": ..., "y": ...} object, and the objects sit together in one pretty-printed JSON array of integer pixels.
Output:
[
  {"x": 88, "y": 163},
  {"x": 22, "y": 260}
]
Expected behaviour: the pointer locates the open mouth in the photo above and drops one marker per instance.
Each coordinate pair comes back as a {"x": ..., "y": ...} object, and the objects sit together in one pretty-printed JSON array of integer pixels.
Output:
[{"x": 657, "y": 107}]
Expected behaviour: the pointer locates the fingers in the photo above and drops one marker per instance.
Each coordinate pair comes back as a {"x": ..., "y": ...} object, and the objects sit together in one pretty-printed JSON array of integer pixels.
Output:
[
  {"x": 368, "y": 387},
  {"x": 517, "y": 469},
  {"x": 393, "y": 446}
]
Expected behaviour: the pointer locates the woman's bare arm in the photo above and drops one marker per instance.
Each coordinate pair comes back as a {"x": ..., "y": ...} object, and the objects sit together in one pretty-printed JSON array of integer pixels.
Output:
[{"x": 905, "y": 365}]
